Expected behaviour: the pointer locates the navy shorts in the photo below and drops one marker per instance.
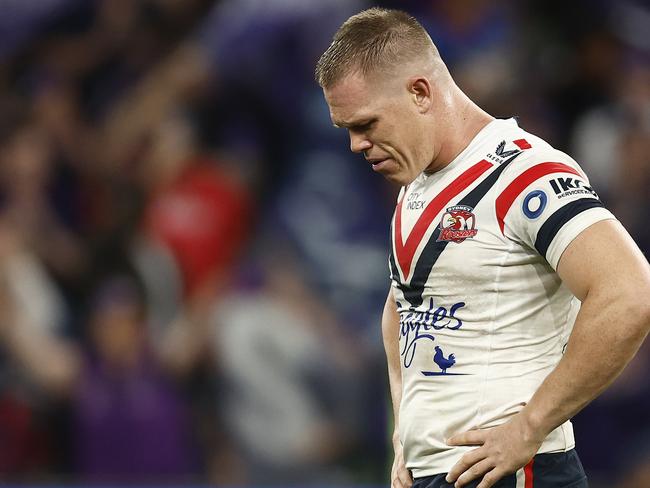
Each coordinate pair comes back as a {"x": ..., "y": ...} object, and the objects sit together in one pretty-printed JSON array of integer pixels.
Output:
[{"x": 554, "y": 470}]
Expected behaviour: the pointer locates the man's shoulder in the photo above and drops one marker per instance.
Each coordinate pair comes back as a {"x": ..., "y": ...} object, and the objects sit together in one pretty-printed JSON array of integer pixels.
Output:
[{"x": 534, "y": 155}]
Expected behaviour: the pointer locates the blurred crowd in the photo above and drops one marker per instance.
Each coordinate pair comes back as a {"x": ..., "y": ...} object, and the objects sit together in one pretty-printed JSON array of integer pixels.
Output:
[{"x": 193, "y": 266}]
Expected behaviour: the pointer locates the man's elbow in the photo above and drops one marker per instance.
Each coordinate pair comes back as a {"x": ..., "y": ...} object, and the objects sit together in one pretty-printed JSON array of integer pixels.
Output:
[{"x": 638, "y": 314}]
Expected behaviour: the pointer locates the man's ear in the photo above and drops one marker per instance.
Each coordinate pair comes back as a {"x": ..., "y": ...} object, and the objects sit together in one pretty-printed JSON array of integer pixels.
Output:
[{"x": 421, "y": 92}]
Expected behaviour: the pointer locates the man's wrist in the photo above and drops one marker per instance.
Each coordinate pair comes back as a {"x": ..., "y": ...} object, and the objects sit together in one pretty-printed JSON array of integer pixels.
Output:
[
  {"x": 535, "y": 429},
  {"x": 397, "y": 443}
]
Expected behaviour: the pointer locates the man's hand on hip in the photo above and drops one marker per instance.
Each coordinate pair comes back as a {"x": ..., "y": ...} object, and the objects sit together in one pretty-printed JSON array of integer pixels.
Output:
[
  {"x": 504, "y": 450},
  {"x": 400, "y": 477}
]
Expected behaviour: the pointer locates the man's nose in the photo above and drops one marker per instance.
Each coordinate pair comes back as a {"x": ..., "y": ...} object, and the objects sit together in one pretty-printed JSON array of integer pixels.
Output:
[{"x": 359, "y": 143}]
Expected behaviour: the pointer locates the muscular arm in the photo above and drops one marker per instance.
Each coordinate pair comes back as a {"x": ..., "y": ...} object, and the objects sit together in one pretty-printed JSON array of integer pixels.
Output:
[
  {"x": 400, "y": 477},
  {"x": 603, "y": 268},
  {"x": 609, "y": 274}
]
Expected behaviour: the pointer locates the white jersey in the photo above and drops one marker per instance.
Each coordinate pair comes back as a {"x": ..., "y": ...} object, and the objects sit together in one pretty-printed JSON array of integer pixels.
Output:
[{"x": 484, "y": 317}]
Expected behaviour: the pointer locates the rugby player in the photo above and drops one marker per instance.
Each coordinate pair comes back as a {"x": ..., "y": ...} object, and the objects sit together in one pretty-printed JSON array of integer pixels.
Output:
[{"x": 516, "y": 298}]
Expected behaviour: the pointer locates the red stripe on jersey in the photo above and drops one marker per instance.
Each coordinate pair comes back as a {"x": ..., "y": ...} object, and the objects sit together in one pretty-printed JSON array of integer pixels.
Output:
[
  {"x": 528, "y": 474},
  {"x": 522, "y": 144},
  {"x": 521, "y": 182},
  {"x": 405, "y": 252}
]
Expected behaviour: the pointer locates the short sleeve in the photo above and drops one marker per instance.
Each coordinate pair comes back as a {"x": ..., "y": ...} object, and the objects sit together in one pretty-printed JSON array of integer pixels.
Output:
[{"x": 547, "y": 205}]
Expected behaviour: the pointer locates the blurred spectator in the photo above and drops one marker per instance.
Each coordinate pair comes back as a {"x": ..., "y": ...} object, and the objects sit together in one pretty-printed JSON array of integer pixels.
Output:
[
  {"x": 129, "y": 423},
  {"x": 26, "y": 174},
  {"x": 198, "y": 206},
  {"x": 26, "y": 446},
  {"x": 292, "y": 378},
  {"x": 35, "y": 249}
]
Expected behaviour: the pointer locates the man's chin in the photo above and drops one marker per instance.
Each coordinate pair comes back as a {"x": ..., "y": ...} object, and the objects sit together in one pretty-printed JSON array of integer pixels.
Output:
[{"x": 398, "y": 178}]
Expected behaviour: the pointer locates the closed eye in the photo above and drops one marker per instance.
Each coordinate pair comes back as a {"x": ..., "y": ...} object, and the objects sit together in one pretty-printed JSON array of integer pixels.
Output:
[{"x": 366, "y": 126}]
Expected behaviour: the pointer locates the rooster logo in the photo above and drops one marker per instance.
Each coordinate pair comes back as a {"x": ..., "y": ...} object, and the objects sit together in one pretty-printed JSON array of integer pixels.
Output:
[
  {"x": 458, "y": 223},
  {"x": 443, "y": 362}
]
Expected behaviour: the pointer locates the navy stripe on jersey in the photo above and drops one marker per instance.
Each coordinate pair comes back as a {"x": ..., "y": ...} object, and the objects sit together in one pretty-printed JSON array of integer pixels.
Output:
[
  {"x": 434, "y": 248},
  {"x": 555, "y": 222}
]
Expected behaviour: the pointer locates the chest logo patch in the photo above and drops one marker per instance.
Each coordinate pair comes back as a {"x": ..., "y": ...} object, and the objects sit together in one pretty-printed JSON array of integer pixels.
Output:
[{"x": 458, "y": 223}]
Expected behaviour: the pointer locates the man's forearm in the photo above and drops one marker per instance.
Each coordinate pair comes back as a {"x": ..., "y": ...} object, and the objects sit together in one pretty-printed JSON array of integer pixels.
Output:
[
  {"x": 606, "y": 336},
  {"x": 390, "y": 333}
]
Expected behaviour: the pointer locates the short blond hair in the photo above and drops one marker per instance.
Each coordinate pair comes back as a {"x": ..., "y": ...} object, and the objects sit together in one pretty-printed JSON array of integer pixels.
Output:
[{"x": 372, "y": 39}]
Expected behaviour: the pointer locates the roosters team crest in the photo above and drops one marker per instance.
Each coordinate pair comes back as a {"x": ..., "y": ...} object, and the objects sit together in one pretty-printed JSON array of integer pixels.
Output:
[{"x": 458, "y": 223}]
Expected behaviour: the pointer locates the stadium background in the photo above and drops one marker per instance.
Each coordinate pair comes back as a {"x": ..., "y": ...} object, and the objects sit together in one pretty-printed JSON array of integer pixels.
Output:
[{"x": 192, "y": 264}]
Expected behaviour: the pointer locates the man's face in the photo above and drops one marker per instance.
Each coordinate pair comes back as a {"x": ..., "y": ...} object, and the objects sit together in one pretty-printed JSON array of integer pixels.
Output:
[{"x": 384, "y": 124}]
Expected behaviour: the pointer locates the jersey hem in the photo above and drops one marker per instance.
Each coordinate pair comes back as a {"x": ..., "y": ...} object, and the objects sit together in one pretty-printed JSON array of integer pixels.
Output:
[{"x": 423, "y": 473}]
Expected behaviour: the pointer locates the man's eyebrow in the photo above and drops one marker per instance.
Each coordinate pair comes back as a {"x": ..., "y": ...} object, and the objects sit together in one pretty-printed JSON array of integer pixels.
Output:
[{"x": 354, "y": 123}]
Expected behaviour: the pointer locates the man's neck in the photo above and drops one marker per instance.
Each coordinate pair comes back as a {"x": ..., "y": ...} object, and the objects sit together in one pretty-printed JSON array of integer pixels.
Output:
[{"x": 466, "y": 120}]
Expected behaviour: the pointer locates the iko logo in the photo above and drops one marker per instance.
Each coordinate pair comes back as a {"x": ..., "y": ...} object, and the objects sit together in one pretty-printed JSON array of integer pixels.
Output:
[{"x": 566, "y": 187}]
